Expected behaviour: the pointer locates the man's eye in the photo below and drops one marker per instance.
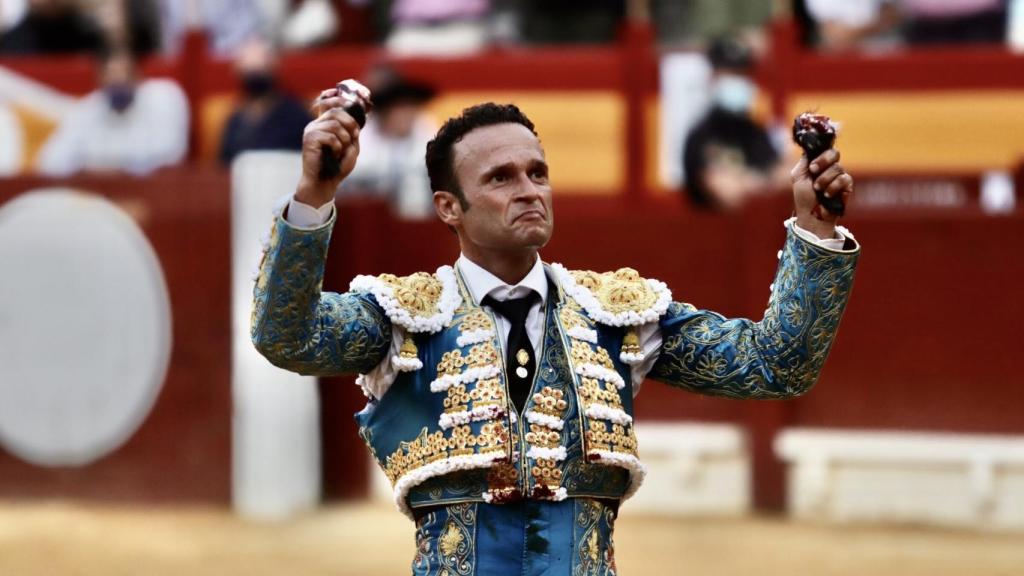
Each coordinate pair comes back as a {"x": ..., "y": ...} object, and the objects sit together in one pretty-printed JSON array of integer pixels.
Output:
[
  {"x": 499, "y": 178},
  {"x": 540, "y": 175}
]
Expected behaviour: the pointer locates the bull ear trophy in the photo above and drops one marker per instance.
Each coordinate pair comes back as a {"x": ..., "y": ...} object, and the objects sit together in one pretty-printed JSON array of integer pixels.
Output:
[
  {"x": 330, "y": 165},
  {"x": 816, "y": 133}
]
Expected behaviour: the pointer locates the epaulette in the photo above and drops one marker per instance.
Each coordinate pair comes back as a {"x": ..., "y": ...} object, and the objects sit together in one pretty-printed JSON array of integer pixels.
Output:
[
  {"x": 621, "y": 298},
  {"x": 421, "y": 302}
]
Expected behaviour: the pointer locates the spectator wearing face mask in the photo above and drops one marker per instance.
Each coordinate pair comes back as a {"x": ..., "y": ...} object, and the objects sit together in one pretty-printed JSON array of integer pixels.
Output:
[
  {"x": 127, "y": 125},
  {"x": 728, "y": 157},
  {"x": 266, "y": 118}
]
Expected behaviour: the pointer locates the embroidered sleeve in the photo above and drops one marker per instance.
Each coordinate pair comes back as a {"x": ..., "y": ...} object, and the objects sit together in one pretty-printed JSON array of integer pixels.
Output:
[
  {"x": 303, "y": 330},
  {"x": 778, "y": 357}
]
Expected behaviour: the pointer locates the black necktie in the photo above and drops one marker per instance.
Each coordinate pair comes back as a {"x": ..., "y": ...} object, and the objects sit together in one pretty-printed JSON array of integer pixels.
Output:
[{"x": 520, "y": 363}]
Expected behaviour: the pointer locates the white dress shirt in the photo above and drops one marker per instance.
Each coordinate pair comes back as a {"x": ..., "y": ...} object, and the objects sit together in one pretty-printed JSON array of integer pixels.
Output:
[{"x": 482, "y": 283}]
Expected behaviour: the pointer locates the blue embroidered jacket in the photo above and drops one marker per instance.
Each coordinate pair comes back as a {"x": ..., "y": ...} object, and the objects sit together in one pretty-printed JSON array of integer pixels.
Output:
[{"x": 445, "y": 431}]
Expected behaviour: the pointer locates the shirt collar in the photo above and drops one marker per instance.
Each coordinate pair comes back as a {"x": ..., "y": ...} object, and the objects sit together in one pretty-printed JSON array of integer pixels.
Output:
[{"x": 482, "y": 283}]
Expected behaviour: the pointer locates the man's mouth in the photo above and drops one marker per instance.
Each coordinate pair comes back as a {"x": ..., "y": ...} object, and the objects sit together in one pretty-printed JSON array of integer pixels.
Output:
[{"x": 529, "y": 215}]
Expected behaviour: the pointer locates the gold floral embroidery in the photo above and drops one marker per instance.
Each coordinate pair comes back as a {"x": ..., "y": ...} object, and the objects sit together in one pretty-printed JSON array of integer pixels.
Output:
[
  {"x": 621, "y": 291},
  {"x": 485, "y": 354},
  {"x": 418, "y": 293},
  {"x": 546, "y": 471},
  {"x": 476, "y": 320},
  {"x": 451, "y": 363},
  {"x": 450, "y": 540},
  {"x": 427, "y": 448}
]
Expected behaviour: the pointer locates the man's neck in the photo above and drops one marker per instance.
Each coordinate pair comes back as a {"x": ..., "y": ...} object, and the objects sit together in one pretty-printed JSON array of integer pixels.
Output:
[{"x": 509, "y": 267}]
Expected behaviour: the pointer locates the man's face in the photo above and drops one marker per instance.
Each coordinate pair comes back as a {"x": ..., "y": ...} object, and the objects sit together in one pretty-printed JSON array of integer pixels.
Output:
[{"x": 503, "y": 174}]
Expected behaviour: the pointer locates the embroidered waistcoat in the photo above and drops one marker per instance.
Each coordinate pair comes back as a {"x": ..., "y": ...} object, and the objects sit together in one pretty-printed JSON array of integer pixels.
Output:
[{"x": 446, "y": 432}]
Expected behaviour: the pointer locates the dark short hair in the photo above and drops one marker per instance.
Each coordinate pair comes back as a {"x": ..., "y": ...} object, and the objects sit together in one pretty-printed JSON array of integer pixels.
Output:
[{"x": 440, "y": 161}]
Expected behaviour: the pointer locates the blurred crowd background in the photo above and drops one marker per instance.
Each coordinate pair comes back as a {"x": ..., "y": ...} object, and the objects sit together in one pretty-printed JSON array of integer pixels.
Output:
[{"x": 667, "y": 127}]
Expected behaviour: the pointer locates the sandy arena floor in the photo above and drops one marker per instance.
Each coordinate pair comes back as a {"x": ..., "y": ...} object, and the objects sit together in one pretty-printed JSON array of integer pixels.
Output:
[{"x": 56, "y": 539}]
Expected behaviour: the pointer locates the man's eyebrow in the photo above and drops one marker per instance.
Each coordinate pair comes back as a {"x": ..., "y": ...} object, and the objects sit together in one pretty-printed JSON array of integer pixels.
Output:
[{"x": 498, "y": 169}]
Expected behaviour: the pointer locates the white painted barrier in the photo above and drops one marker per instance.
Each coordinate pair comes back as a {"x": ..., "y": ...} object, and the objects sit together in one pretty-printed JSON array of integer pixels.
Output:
[
  {"x": 962, "y": 480},
  {"x": 693, "y": 469},
  {"x": 276, "y": 423}
]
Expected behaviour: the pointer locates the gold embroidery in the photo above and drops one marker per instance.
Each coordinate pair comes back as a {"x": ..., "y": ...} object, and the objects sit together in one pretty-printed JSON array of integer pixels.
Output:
[
  {"x": 476, "y": 320},
  {"x": 631, "y": 342},
  {"x": 451, "y": 363},
  {"x": 621, "y": 291},
  {"x": 450, "y": 540},
  {"x": 426, "y": 448},
  {"x": 484, "y": 354},
  {"x": 408, "y": 349},
  {"x": 419, "y": 293},
  {"x": 547, "y": 474}
]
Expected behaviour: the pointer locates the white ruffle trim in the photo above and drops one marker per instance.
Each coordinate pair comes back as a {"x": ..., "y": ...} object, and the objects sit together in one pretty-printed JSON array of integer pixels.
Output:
[
  {"x": 439, "y": 468},
  {"x": 597, "y": 312},
  {"x": 602, "y": 412},
  {"x": 545, "y": 420},
  {"x": 601, "y": 373},
  {"x": 581, "y": 333},
  {"x": 512, "y": 417},
  {"x": 557, "y": 454},
  {"x": 406, "y": 364},
  {"x": 470, "y": 375},
  {"x": 475, "y": 337},
  {"x": 446, "y": 305},
  {"x": 361, "y": 382},
  {"x": 632, "y": 358},
  {"x": 448, "y": 420},
  {"x": 637, "y": 471}
]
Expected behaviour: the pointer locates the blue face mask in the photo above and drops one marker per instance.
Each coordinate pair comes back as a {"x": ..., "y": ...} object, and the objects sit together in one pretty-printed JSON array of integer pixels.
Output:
[
  {"x": 734, "y": 93},
  {"x": 120, "y": 97}
]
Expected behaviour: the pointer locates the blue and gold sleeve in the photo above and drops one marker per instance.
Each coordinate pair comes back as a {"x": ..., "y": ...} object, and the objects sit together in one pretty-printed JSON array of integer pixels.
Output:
[
  {"x": 299, "y": 328},
  {"x": 779, "y": 357}
]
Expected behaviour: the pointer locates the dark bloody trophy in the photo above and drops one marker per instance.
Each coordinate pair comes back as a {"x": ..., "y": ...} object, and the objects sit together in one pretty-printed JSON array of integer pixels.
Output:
[
  {"x": 815, "y": 133},
  {"x": 330, "y": 165}
]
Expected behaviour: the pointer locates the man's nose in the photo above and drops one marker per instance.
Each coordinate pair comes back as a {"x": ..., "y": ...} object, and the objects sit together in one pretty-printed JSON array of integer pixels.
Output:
[{"x": 526, "y": 188}]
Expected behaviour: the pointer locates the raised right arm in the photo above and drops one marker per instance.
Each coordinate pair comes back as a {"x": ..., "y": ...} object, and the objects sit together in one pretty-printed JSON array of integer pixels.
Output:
[
  {"x": 294, "y": 324},
  {"x": 299, "y": 328}
]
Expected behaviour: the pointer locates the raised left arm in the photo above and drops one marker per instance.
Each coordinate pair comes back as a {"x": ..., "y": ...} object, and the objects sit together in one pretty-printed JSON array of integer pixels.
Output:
[
  {"x": 781, "y": 355},
  {"x": 777, "y": 357}
]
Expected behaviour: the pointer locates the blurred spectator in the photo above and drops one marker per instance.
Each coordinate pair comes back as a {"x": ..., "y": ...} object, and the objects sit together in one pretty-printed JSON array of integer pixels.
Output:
[
  {"x": 52, "y": 27},
  {"x": 392, "y": 147},
  {"x": 125, "y": 125},
  {"x": 437, "y": 27},
  {"x": 728, "y": 157},
  {"x": 310, "y": 23},
  {"x": 689, "y": 22},
  {"x": 11, "y": 142},
  {"x": 227, "y": 23},
  {"x": 954, "y": 21},
  {"x": 132, "y": 23},
  {"x": 571, "y": 21},
  {"x": 266, "y": 118},
  {"x": 844, "y": 25}
]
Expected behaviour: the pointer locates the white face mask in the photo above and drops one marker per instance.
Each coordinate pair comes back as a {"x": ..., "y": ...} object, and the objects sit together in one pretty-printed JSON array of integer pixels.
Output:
[{"x": 734, "y": 93}]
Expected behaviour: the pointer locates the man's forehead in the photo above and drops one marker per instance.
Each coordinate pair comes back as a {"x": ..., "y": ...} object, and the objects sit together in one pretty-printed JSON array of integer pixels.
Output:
[{"x": 497, "y": 144}]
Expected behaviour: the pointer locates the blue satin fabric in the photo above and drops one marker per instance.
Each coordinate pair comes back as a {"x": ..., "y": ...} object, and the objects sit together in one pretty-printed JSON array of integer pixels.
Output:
[{"x": 524, "y": 538}]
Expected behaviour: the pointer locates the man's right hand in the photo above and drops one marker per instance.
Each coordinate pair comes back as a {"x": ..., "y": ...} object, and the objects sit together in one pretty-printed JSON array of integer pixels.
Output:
[{"x": 336, "y": 130}]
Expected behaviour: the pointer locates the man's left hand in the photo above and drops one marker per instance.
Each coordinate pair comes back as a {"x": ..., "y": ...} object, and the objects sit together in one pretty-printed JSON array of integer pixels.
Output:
[{"x": 824, "y": 173}]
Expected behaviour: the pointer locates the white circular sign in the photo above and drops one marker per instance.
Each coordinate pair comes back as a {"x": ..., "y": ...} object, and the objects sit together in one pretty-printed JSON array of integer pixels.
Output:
[{"x": 85, "y": 327}]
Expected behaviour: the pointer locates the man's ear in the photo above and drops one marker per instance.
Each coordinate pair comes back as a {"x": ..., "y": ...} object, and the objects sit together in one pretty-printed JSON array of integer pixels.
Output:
[{"x": 448, "y": 208}]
